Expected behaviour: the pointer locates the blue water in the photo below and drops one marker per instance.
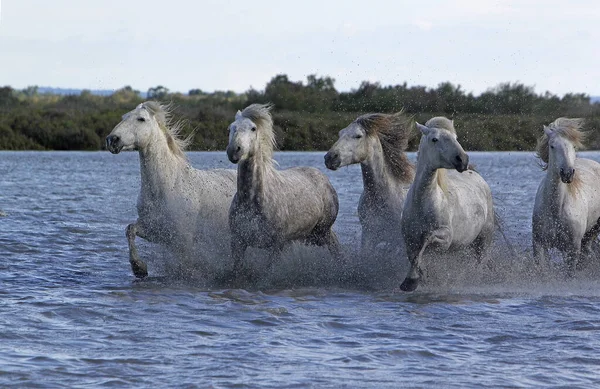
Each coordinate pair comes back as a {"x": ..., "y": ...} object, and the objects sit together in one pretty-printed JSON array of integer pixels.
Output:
[{"x": 72, "y": 314}]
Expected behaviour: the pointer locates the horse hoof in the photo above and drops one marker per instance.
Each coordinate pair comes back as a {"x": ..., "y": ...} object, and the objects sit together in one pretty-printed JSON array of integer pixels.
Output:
[
  {"x": 140, "y": 270},
  {"x": 409, "y": 284}
]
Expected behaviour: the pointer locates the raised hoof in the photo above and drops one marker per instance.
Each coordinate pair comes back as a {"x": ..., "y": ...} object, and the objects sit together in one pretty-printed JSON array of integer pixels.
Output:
[
  {"x": 409, "y": 284},
  {"x": 140, "y": 270}
]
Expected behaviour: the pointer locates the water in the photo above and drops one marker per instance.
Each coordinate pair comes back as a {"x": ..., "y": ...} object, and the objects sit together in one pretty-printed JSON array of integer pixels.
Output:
[{"x": 72, "y": 315}]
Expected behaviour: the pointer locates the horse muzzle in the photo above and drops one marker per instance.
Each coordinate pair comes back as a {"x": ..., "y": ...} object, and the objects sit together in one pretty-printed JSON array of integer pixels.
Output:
[
  {"x": 114, "y": 144},
  {"x": 567, "y": 175},
  {"x": 332, "y": 160},
  {"x": 234, "y": 154},
  {"x": 461, "y": 162}
]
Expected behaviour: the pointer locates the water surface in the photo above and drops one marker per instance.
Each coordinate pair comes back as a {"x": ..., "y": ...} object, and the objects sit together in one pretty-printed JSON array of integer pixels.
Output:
[{"x": 72, "y": 314}]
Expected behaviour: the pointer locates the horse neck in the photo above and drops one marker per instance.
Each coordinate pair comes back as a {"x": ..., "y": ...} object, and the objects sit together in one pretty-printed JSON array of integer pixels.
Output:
[
  {"x": 159, "y": 167},
  {"x": 428, "y": 179},
  {"x": 554, "y": 189},
  {"x": 377, "y": 176},
  {"x": 252, "y": 175}
]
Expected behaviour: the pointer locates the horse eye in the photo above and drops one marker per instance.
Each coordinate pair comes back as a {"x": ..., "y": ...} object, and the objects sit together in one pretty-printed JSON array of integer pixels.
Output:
[
  {"x": 551, "y": 147},
  {"x": 253, "y": 129},
  {"x": 357, "y": 136},
  {"x": 434, "y": 140},
  {"x": 141, "y": 119}
]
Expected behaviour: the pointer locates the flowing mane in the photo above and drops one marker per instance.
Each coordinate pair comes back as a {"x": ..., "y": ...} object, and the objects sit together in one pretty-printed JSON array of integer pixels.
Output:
[
  {"x": 171, "y": 129},
  {"x": 260, "y": 114},
  {"x": 394, "y": 131},
  {"x": 571, "y": 129}
]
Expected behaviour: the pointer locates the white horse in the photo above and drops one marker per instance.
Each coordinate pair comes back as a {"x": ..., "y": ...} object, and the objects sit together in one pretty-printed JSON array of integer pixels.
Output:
[
  {"x": 566, "y": 214},
  {"x": 178, "y": 205},
  {"x": 446, "y": 209},
  {"x": 273, "y": 207},
  {"x": 377, "y": 141}
]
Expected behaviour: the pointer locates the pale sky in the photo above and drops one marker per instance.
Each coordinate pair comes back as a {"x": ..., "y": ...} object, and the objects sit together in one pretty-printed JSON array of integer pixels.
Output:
[{"x": 233, "y": 45}]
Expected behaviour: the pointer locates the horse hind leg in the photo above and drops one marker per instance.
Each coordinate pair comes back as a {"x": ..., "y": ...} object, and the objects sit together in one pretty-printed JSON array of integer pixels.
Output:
[
  {"x": 334, "y": 246},
  {"x": 327, "y": 238},
  {"x": 481, "y": 247},
  {"x": 139, "y": 267}
]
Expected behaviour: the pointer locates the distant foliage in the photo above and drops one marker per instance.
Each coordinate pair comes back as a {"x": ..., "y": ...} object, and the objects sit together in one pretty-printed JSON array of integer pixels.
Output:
[{"x": 308, "y": 114}]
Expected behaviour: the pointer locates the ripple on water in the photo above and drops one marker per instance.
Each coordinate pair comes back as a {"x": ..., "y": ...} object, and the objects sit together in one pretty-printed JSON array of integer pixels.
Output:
[{"x": 72, "y": 315}]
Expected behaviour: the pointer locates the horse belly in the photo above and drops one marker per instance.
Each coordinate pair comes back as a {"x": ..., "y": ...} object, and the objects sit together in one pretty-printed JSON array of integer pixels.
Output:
[{"x": 470, "y": 225}]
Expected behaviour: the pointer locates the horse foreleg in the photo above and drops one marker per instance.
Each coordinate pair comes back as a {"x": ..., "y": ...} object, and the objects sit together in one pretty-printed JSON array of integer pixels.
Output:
[
  {"x": 441, "y": 237},
  {"x": 587, "y": 244},
  {"x": 367, "y": 245},
  {"x": 139, "y": 268},
  {"x": 238, "y": 249},
  {"x": 274, "y": 255},
  {"x": 540, "y": 253}
]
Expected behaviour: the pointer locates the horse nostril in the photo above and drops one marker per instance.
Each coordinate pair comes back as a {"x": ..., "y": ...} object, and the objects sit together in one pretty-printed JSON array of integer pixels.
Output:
[
  {"x": 562, "y": 171},
  {"x": 238, "y": 148},
  {"x": 458, "y": 159}
]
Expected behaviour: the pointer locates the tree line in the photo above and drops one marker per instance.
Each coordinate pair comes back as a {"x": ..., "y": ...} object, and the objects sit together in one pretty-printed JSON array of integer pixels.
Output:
[{"x": 307, "y": 115}]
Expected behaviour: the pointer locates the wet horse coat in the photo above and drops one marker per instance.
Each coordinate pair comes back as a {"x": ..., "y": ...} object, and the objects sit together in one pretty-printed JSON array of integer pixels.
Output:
[
  {"x": 566, "y": 213},
  {"x": 178, "y": 206},
  {"x": 444, "y": 209},
  {"x": 377, "y": 141},
  {"x": 274, "y": 207}
]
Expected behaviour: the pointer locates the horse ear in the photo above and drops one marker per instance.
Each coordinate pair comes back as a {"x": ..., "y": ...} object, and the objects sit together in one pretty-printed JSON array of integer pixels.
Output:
[
  {"x": 238, "y": 114},
  {"x": 422, "y": 128},
  {"x": 547, "y": 130}
]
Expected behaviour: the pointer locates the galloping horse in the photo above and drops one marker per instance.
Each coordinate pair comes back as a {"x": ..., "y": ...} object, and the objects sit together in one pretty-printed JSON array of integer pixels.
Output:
[
  {"x": 273, "y": 207},
  {"x": 566, "y": 214},
  {"x": 178, "y": 206},
  {"x": 444, "y": 209},
  {"x": 377, "y": 141}
]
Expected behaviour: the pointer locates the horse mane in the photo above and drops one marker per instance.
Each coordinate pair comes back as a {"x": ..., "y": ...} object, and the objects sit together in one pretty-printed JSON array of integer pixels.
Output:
[
  {"x": 571, "y": 129},
  {"x": 171, "y": 129},
  {"x": 394, "y": 131},
  {"x": 441, "y": 122},
  {"x": 260, "y": 114},
  {"x": 442, "y": 179}
]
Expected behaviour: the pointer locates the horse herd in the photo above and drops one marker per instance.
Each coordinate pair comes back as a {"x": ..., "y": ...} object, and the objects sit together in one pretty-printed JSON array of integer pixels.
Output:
[{"x": 440, "y": 204}]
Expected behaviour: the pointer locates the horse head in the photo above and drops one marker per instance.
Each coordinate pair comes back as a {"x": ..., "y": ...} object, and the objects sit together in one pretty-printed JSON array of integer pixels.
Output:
[
  {"x": 561, "y": 155},
  {"x": 242, "y": 137},
  {"x": 134, "y": 132},
  {"x": 251, "y": 133},
  {"x": 351, "y": 147},
  {"x": 439, "y": 145}
]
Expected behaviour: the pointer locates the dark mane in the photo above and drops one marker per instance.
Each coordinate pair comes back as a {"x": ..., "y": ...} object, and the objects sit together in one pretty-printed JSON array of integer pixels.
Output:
[{"x": 394, "y": 131}]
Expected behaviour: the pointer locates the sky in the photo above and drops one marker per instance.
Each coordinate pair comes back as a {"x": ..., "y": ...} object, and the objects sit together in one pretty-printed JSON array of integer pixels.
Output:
[{"x": 234, "y": 45}]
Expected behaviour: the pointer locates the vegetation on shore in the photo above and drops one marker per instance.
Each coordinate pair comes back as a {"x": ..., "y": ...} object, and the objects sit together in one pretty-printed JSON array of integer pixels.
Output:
[{"x": 307, "y": 115}]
